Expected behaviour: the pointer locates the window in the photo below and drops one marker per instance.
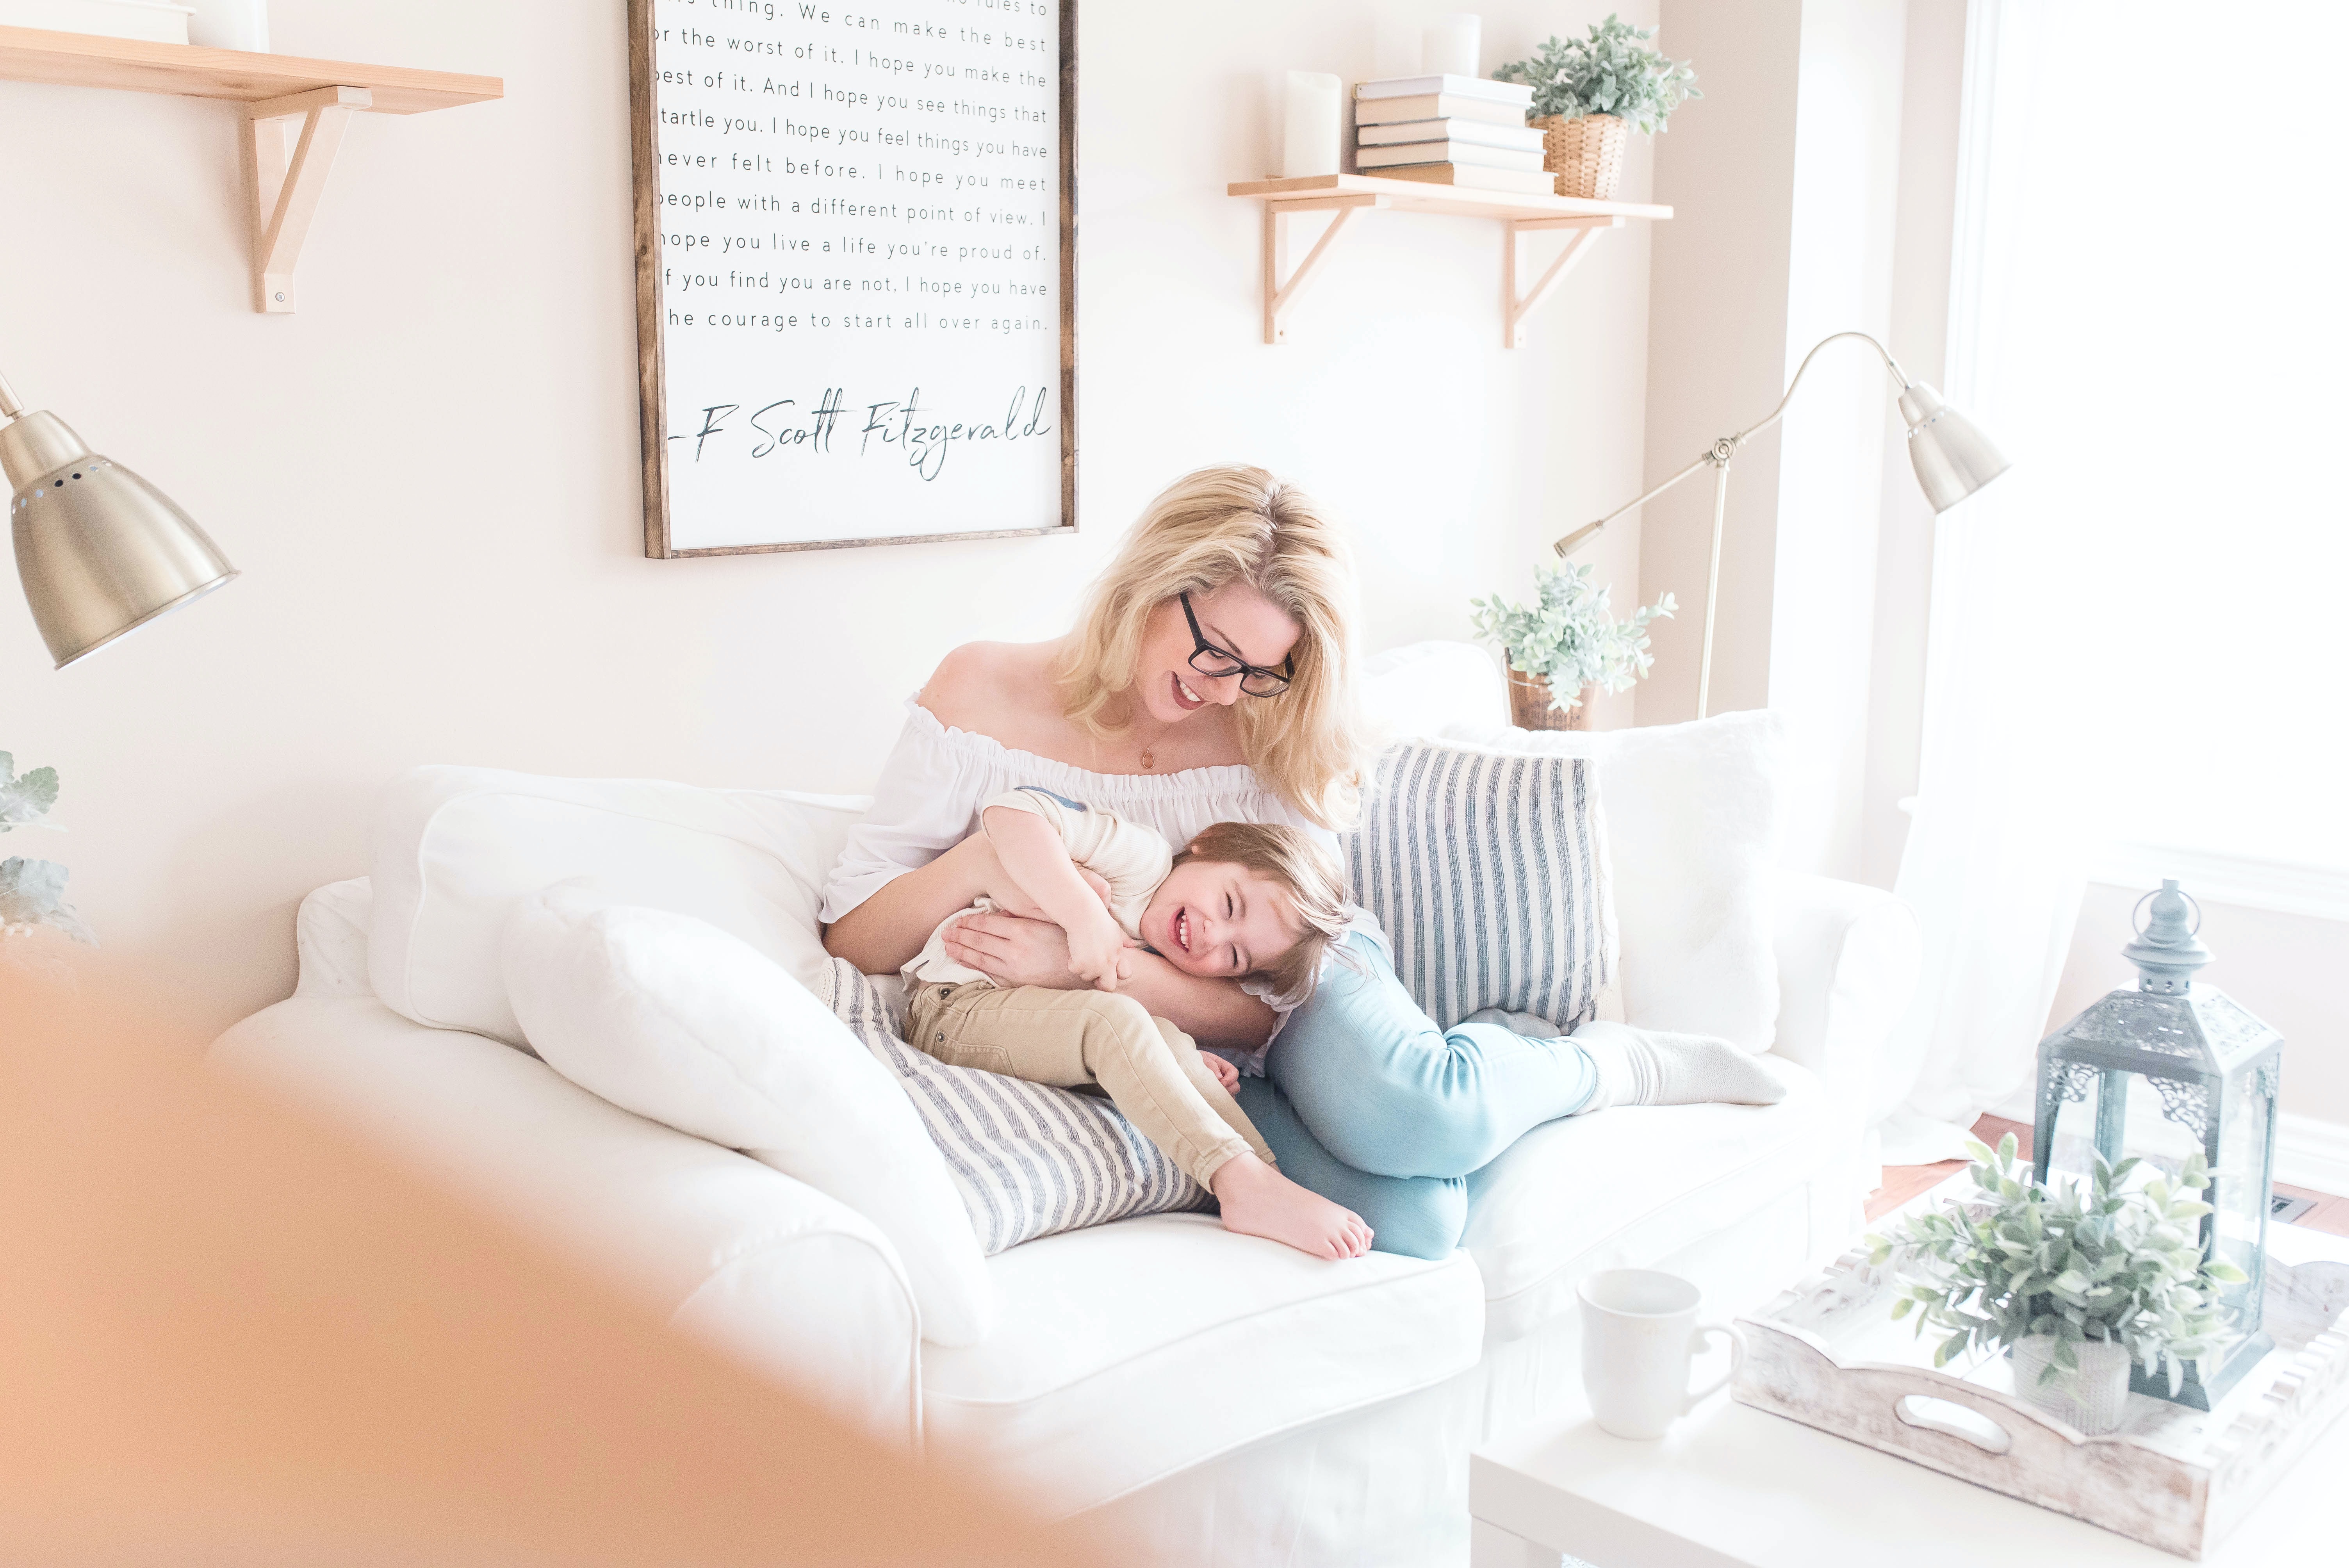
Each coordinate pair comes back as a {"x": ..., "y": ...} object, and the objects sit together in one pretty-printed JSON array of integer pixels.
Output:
[{"x": 2152, "y": 316}]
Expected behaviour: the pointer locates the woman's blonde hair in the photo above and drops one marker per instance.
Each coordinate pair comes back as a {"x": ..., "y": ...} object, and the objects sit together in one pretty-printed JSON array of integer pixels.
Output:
[
  {"x": 1205, "y": 530},
  {"x": 1308, "y": 872}
]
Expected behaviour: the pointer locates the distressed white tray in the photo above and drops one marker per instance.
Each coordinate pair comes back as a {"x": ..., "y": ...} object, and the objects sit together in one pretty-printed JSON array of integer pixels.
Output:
[{"x": 1828, "y": 1354}]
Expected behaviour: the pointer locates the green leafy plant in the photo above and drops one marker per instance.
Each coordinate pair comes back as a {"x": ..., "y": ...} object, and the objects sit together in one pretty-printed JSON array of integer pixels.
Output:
[
  {"x": 2077, "y": 1261},
  {"x": 1567, "y": 635},
  {"x": 32, "y": 892},
  {"x": 1606, "y": 73}
]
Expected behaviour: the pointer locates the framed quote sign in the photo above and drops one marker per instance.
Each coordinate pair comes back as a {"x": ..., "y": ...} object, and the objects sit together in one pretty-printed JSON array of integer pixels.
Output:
[{"x": 855, "y": 271}]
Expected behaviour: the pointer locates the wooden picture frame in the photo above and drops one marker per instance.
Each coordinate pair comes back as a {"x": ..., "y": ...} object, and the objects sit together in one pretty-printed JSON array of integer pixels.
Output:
[{"x": 669, "y": 536}]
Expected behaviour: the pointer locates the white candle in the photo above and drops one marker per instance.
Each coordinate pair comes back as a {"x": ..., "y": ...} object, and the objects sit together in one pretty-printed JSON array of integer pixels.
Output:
[
  {"x": 1449, "y": 44},
  {"x": 1309, "y": 143},
  {"x": 230, "y": 25}
]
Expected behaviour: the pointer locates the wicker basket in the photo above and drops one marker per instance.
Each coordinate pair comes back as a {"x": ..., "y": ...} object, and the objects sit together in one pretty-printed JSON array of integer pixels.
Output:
[
  {"x": 1529, "y": 705},
  {"x": 1585, "y": 154}
]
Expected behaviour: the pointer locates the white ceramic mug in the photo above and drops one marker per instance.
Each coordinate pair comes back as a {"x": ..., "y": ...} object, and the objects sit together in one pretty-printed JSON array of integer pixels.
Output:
[{"x": 1639, "y": 1334}]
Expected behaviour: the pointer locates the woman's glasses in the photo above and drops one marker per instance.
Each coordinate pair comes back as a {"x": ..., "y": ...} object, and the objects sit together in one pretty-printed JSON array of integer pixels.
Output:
[{"x": 1211, "y": 660}]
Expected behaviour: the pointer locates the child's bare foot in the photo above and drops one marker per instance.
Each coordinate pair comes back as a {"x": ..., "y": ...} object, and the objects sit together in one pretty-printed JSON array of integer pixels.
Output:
[{"x": 1258, "y": 1200}]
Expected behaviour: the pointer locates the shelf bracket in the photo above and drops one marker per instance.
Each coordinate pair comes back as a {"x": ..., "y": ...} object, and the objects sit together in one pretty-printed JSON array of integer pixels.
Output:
[
  {"x": 1279, "y": 294},
  {"x": 289, "y": 147},
  {"x": 1515, "y": 307}
]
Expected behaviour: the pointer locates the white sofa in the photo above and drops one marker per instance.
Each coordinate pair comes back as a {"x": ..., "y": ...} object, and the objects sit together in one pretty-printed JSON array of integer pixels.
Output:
[{"x": 1221, "y": 1398}]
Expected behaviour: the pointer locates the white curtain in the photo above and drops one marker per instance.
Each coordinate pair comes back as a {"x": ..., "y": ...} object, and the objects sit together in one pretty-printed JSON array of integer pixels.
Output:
[{"x": 2134, "y": 631}]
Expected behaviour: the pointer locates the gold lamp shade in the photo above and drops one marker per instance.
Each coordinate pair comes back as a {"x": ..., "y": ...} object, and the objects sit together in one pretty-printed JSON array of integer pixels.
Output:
[{"x": 100, "y": 552}]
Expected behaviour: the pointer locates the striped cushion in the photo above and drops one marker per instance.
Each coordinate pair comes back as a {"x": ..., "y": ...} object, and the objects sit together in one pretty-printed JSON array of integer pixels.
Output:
[
  {"x": 1488, "y": 872},
  {"x": 1028, "y": 1158}
]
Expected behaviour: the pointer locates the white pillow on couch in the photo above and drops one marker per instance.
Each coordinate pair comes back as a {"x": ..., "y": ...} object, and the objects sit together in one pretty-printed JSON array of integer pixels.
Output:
[
  {"x": 670, "y": 1018},
  {"x": 1695, "y": 822},
  {"x": 457, "y": 848}
]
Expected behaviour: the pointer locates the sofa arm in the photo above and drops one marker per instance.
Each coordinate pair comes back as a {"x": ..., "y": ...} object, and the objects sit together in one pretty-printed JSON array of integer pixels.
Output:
[
  {"x": 1848, "y": 961},
  {"x": 793, "y": 1282}
]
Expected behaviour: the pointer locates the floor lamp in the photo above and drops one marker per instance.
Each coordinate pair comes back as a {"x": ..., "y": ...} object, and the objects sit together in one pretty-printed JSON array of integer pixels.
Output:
[
  {"x": 100, "y": 552},
  {"x": 1952, "y": 459}
]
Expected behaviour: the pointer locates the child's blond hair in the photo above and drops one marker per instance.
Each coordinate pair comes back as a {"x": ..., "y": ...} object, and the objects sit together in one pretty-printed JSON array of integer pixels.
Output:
[{"x": 1303, "y": 869}]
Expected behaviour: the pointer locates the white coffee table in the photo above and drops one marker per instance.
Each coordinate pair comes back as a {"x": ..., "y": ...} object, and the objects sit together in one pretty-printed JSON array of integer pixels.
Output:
[{"x": 1733, "y": 1486}]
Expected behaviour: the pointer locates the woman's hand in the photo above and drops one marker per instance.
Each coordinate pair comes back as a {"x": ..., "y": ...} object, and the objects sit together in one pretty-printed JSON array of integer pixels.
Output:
[{"x": 1012, "y": 950}]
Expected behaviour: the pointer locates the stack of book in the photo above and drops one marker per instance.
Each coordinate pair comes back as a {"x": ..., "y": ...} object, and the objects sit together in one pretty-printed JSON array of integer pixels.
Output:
[{"x": 1450, "y": 130}]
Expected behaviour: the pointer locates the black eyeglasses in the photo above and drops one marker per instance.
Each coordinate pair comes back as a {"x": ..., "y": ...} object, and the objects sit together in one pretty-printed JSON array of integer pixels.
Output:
[{"x": 1211, "y": 660}]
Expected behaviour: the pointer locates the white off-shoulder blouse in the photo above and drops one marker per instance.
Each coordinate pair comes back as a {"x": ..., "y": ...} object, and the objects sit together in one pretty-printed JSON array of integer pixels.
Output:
[{"x": 939, "y": 779}]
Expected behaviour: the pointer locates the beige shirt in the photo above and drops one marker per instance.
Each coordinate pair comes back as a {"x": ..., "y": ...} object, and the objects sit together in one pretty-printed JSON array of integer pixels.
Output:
[{"x": 1133, "y": 859}]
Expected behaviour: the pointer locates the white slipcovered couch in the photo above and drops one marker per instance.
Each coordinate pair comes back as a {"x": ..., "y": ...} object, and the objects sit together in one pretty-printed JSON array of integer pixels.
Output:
[{"x": 1223, "y": 1399}]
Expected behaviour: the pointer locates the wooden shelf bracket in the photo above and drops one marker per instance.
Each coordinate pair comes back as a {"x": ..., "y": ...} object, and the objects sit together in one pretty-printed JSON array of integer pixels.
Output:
[
  {"x": 290, "y": 145},
  {"x": 1515, "y": 307},
  {"x": 1279, "y": 293}
]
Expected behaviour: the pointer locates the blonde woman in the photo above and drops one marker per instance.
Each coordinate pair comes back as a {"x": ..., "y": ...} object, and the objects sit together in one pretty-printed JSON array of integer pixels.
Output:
[{"x": 1210, "y": 680}]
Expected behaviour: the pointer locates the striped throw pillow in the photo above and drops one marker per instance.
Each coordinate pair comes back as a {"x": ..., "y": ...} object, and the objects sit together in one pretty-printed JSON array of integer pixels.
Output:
[
  {"x": 1488, "y": 871},
  {"x": 1028, "y": 1158}
]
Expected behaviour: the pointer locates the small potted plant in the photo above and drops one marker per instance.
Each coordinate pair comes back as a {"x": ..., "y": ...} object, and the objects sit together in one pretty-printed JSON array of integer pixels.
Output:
[
  {"x": 32, "y": 893},
  {"x": 1566, "y": 642},
  {"x": 1591, "y": 93},
  {"x": 2078, "y": 1280}
]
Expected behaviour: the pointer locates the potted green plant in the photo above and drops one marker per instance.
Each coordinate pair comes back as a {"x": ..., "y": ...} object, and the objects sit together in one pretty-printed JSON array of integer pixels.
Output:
[
  {"x": 2077, "y": 1279},
  {"x": 1565, "y": 642},
  {"x": 32, "y": 893},
  {"x": 1590, "y": 93}
]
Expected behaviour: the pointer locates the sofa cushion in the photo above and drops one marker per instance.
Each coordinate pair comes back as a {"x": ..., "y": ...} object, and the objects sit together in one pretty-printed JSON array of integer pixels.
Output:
[
  {"x": 1695, "y": 815},
  {"x": 1626, "y": 1187},
  {"x": 1028, "y": 1158},
  {"x": 1487, "y": 871},
  {"x": 1128, "y": 1352},
  {"x": 672, "y": 1018},
  {"x": 456, "y": 847}
]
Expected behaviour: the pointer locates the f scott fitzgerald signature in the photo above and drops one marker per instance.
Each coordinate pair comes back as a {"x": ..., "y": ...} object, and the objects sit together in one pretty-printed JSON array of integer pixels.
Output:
[{"x": 921, "y": 438}]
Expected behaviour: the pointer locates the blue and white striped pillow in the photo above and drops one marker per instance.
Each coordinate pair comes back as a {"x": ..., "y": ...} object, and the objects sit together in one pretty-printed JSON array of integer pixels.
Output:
[
  {"x": 1488, "y": 871},
  {"x": 1028, "y": 1158}
]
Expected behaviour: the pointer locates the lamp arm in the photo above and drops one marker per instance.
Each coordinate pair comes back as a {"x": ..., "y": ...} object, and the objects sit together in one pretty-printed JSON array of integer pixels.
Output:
[
  {"x": 1721, "y": 451},
  {"x": 9, "y": 406}
]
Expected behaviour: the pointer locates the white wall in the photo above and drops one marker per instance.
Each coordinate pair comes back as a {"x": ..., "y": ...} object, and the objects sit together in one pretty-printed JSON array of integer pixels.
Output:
[
  {"x": 430, "y": 475},
  {"x": 1717, "y": 342}
]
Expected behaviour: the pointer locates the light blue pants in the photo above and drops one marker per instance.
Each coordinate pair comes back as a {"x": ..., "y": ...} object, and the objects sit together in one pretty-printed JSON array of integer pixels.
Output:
[{"x": 1371, "y": 1105}]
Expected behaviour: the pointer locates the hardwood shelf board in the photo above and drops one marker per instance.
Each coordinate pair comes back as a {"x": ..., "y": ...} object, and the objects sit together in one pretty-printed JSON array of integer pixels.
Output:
[
  {"x": 1419, "y": 196},
  {"x": 82, "y": 59}
]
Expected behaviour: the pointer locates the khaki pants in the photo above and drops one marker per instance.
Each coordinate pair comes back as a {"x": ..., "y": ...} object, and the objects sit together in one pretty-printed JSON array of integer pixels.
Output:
[{"x": 1152, "y": 1070}]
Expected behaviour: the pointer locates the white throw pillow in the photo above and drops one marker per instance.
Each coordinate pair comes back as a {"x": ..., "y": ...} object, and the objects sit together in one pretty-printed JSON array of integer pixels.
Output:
[
  {"x": 1696, "y": 818},
  {"x": 456, "y": 848},
  {"x": 670, "y": 1018}
]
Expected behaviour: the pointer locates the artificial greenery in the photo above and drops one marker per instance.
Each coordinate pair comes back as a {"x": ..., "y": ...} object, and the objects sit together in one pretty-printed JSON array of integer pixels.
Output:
[
  {"x": 32, "y": 892},
  {"x": 1606, "y": 73},
  {"x": 2079, "y": 1261},
  {"x": 1568, "y": 637}
]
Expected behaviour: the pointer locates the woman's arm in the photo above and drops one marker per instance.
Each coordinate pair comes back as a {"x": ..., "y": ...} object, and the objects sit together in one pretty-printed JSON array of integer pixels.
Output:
[
  {"x": 882, "y": 934},
  {"x": 1010, "y": 951}
]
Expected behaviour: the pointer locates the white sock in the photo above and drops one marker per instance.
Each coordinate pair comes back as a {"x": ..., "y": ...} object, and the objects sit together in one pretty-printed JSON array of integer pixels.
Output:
[{"x": 1650, "y": 1066}]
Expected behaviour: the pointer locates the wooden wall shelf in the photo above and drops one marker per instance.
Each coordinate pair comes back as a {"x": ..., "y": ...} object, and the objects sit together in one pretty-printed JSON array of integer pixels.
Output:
[
  {"x": 1343, "y": 195},
  {"x": 294, "y": 109}
]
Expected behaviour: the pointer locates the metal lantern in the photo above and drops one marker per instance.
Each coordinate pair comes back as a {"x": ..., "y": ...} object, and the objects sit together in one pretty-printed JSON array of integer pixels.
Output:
[{"x": 2162, "y": 1072}]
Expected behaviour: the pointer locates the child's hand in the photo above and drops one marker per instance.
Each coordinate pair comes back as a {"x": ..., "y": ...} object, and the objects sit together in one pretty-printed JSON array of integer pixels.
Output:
[
  {"x": 1225, "y": 1073},
  {"x": 1095, "y": 952}
]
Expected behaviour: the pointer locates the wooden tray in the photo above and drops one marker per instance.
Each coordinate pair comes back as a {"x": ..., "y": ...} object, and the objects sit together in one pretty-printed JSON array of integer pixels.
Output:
[{"x": 1827, "y": 1354}]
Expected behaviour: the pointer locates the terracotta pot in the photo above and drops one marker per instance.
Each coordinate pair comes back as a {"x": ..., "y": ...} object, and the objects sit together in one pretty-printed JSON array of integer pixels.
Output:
[{"x": 1529, "y": 700}]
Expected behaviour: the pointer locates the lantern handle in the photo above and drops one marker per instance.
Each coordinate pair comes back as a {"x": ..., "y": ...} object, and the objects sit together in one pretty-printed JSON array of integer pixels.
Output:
[{"x": 2139, "y": 908}]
